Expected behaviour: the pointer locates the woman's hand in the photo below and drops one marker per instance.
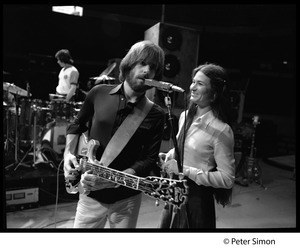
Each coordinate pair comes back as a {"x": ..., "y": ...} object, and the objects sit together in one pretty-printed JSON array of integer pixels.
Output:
[{"x": 170, "y": 167}]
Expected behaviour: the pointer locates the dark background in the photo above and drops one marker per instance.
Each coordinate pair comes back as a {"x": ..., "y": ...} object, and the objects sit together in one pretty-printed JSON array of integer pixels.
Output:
[{"x": 251, "y": 40}]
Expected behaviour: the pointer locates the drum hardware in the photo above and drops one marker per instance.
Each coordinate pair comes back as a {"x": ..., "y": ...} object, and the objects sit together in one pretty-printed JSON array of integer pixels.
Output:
[
  {"x": 104, "y": 75},
  {"x": 56, "y": 97},
  {"x": 16, "y": 142},
  {"x": 12, "y": 88},
  {"x": 25, "y": 114},
  {"x": 8, "y": 140},
  {"x": 84, "y": 92},
  {"x": 62, "y": 110},
  {"x": 33, "y": 146}
]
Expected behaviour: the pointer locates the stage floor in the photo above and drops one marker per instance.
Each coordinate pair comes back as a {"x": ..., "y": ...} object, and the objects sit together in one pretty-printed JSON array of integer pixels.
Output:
[{"x": 254, "y": 207}]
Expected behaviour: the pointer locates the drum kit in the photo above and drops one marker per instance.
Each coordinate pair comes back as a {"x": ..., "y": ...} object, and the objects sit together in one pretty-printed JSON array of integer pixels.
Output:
[
  {"x": 39, "y": 124},
  {"x": 30, "y": 124}
]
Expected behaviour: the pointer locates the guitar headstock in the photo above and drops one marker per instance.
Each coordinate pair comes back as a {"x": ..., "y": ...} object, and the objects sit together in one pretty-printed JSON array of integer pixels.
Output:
[{"x": 169, "y": 190}]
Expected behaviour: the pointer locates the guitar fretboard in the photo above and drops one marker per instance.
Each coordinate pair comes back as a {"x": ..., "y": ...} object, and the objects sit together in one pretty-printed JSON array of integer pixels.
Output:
[{"x": 124, "y": 179}]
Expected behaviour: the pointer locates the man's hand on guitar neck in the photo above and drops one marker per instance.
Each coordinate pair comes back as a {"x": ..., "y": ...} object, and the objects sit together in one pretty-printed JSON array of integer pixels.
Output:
[{"x": 90, "y": 182}]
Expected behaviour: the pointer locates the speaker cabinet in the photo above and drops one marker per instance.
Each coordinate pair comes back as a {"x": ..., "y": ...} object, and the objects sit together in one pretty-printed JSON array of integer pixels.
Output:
[{"x": 181, "y": 47}]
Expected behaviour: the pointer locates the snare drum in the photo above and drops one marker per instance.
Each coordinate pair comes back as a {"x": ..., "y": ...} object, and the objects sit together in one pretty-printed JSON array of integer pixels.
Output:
[
  {"x": 55, "y": 136},
  {"x": 61, "y": 109}
]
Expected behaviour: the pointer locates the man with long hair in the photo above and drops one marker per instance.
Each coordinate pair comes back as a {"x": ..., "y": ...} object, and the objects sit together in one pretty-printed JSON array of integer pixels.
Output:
[{"x": 102, "y": 113}]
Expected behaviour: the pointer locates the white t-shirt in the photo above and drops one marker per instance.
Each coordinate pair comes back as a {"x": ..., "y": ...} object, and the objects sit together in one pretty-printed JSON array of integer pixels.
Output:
[{"x": 65, "y": 78}]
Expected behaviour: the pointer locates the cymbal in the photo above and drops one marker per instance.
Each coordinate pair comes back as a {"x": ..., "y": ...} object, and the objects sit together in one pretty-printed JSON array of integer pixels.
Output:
[
  {"x": 109, "y": 69},
  {"x": 85, "y": 92},
  {"x": 12, "y": 88},
  {"x": 104, "y": 75},
  {"x": 56, "y": 96},
  {"x": 102, "y": 78}
]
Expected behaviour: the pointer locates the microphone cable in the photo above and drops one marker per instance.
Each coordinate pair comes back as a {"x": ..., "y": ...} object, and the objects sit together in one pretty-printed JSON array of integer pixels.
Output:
[{"x": 57, "y": 191}]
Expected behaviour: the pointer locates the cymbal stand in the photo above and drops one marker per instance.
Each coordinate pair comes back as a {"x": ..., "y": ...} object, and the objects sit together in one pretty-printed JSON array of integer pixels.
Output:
[
  {"x": 7, "y": 140},
  {"x": 16, "y": 132},
  {"x": 33, "y": 146}
]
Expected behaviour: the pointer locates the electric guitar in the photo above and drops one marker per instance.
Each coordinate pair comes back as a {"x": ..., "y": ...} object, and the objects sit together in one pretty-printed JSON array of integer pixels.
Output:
[
  {"x": 253, "y": 169},
  {"x": 168, "y": 190}
]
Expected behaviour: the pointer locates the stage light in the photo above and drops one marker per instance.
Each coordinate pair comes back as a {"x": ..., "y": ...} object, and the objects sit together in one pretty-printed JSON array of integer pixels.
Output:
[{"x": 69, "y": 10}]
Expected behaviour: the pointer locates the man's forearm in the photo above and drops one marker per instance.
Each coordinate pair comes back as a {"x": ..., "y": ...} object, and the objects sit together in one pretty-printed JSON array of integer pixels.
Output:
[
  {"x": 71, "y": 143},
  {"x": 71, "y": 93}
]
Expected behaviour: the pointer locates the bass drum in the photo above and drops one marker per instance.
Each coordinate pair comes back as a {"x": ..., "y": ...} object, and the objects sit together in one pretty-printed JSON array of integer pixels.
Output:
[{"x": 55, "y": 137}]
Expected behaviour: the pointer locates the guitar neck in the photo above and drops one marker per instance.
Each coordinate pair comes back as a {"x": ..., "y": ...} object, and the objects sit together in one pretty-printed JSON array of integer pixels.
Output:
[
  {"x": 255, "y": 122},
  {"x": 252, "y": 145},
  {"x": 119, "y": 177},
  {"x": 169, "y": 190}
]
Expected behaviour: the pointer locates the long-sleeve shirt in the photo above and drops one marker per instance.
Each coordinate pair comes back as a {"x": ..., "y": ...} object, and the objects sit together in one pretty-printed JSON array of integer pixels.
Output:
[
  {"x": 103, "y": 111},
  {"x": 208, "y": 152}
]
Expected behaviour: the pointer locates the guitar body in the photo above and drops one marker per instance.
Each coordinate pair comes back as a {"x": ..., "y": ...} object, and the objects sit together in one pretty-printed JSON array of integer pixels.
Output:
[
  {"x": 169, "y": 190},
  {"x": 83, "y": 153},
  {"x": 252, "y": 169}
]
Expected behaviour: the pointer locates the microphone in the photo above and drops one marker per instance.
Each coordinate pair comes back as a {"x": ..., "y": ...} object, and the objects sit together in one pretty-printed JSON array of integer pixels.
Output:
[{"x": 164, "y": 86}]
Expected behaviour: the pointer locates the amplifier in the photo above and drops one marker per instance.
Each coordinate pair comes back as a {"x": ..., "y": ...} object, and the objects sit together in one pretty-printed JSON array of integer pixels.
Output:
[{"x": 22, "y": 196}]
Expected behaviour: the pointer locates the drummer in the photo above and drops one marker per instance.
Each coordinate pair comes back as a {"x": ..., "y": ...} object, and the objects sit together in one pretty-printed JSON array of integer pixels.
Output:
[{"x": 68, "y": 76}]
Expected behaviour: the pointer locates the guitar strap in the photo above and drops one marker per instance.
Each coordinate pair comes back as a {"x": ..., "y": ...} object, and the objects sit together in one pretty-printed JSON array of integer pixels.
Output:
[{"x": 125, "y": 131}]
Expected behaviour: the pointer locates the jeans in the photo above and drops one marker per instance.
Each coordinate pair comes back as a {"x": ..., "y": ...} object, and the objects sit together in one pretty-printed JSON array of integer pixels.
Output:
[{"x": 121, "y": 214}]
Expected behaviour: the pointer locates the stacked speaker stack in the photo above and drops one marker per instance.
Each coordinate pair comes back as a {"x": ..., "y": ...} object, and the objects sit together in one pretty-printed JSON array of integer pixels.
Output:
[{"x": 181, "y": 47}]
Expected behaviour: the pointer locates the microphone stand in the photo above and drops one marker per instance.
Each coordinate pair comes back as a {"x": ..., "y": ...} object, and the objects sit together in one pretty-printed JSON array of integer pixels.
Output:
[
  {"x": 179, "y": 164},
  {"x": 174, "y": 217}
]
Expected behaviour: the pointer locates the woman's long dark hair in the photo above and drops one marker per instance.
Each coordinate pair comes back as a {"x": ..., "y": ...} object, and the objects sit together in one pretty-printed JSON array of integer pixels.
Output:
[{"x": 221, "y": 108}]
